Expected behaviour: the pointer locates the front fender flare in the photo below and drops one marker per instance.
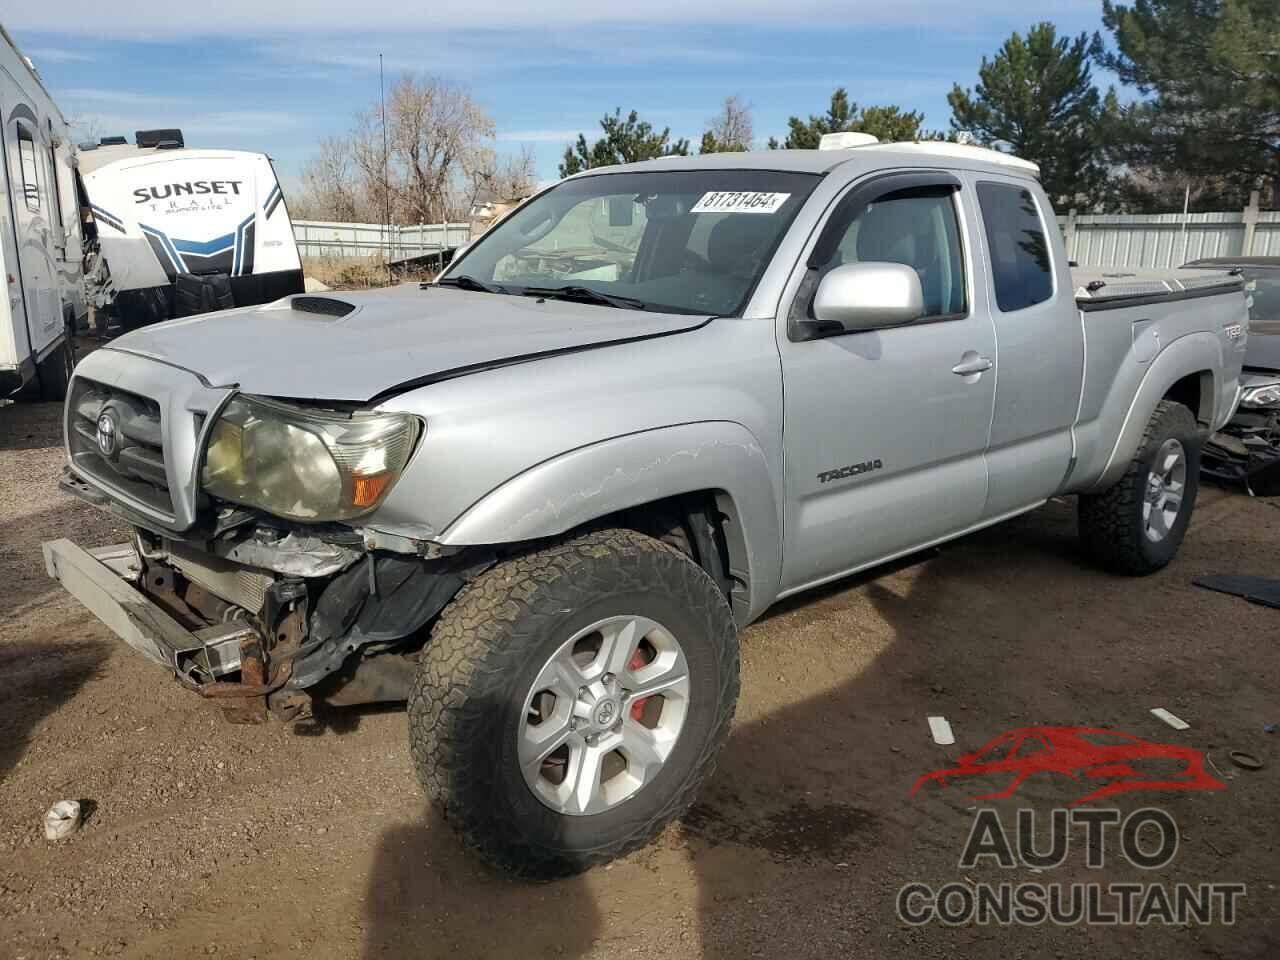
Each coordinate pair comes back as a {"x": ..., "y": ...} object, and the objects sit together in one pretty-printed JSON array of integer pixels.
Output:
[{"x": 582, "y": 485}]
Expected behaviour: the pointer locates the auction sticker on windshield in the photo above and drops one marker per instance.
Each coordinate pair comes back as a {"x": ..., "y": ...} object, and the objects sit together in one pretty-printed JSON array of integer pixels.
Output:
[{"x": 739, "y": 201}]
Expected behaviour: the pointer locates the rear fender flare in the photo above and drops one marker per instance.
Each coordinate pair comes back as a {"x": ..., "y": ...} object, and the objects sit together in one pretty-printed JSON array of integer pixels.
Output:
[
  {"x": 1184, "y": 356},
  {"x": 582, "y": 485}
]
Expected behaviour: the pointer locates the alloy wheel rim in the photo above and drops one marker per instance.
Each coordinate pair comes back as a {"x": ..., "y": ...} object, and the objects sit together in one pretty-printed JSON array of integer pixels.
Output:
[
  {"x": 603, "y": 715},
  {"x": 1166, "y": 487}
]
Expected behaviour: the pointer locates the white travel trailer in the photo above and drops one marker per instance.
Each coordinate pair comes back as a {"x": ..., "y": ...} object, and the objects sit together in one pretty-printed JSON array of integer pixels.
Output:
[
  {"x": 40, "y": 238},
  {"x": 177, "y": 231}
]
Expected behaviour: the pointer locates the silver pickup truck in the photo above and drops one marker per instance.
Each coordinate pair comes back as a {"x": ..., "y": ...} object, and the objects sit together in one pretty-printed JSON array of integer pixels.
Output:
[{"x": 539, "y": 498}]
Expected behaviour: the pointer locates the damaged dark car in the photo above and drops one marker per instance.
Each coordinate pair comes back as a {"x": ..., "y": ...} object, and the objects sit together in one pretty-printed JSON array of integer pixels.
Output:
[{"x": 1247, "y": 450}]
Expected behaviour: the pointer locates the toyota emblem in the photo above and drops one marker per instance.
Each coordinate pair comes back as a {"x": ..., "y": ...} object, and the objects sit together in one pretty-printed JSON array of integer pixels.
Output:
[{"x": 107, "y": 435}]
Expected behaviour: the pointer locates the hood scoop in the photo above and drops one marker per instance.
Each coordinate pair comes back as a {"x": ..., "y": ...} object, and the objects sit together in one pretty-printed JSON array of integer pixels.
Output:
[{"x": 322, "y": 306}]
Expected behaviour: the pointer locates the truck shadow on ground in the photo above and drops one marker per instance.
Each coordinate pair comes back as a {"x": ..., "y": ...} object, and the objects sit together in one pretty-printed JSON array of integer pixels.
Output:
[
  {"x": 801, "y": 840},
  {"x": 43, "y": 677},
  {"x": 429, "y": 897},
  {"x": 809, "y": 823}
]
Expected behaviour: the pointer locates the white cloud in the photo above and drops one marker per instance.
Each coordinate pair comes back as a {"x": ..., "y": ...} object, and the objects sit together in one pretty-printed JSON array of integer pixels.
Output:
[
  {"x": 155, "y": 19},
  {"x": 57, "y": 55},
  {"x": 200, "y": 125},
  {"x": 127, "y": 98}
]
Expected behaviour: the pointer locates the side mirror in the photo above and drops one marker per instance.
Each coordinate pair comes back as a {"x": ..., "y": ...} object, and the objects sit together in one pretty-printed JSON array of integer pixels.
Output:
[{"x": 864, "y": 296}]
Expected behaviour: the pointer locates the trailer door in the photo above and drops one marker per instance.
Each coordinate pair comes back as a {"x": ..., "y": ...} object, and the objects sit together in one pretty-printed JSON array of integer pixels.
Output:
[{"x": 31, "y": 203}]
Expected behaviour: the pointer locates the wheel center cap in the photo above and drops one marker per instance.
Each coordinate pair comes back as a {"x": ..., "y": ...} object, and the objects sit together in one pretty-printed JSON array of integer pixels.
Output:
[{"x": 606, "y": 712}]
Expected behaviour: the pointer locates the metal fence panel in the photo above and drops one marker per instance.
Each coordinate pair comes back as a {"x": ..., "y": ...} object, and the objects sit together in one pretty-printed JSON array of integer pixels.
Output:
[
  {"x": 324, "y": 238},
  {"x": 1155, "y": 241},
  {"x": 1160, "y": 241}
]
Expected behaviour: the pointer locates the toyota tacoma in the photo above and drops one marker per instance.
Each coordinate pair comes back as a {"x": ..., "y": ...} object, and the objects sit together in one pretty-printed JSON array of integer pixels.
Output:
[{"x": 539, "y": 498}]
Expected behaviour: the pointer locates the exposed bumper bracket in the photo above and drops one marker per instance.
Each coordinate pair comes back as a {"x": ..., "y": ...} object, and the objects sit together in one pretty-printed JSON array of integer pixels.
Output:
[{"x": 98, "y": 579}]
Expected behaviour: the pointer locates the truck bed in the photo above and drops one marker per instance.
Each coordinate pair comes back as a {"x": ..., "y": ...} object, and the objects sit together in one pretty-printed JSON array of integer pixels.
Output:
[{"x": 1101, "y": 288}]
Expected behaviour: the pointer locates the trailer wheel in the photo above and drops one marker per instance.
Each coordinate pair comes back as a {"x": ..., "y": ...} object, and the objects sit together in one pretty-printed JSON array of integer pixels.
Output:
[
  {"x": 54, "y": 371},
  {"x": 570, "y": 702},
  {"x": 1136, "y": 526}
]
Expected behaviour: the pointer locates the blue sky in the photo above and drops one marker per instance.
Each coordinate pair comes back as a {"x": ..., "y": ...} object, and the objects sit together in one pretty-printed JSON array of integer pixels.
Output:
[{"x": 279, "y": 77}]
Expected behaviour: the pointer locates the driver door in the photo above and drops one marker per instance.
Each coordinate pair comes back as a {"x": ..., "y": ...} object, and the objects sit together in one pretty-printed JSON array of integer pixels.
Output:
[{"x": 885, "y": 434}]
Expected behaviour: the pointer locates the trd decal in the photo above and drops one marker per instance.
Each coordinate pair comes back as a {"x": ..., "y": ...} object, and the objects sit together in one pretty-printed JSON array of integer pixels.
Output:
[{"x": 852, "y": 470}]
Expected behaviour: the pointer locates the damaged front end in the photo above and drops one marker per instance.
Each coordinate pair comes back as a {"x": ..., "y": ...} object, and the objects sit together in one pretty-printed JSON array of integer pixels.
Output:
[
  {"x": 1247, "y": 450},
  {"x": 253, "y": 573},
  {"x": 264, "y": 619}
]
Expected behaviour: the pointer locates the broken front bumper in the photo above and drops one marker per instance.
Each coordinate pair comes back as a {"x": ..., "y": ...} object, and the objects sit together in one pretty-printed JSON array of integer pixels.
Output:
[{"x": 102, "y": 580}]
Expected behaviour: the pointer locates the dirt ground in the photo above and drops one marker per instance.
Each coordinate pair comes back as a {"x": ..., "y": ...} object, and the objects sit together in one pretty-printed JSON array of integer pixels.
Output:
[{"x": 211, "y": 839}]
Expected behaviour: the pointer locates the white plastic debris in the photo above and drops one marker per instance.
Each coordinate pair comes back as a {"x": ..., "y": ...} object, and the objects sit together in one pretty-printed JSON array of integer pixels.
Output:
[
  {"x": 941, "y": 731},
  {"x": 62, "y": 820},
  {"x": 1170, "y": 719}
]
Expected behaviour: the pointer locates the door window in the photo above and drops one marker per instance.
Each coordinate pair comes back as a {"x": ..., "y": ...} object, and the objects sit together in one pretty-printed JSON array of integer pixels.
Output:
[
  {"x": 1019, "y": 249},
  {"x": 917, "y": 228},
  {"x": 30, "y": 166}
]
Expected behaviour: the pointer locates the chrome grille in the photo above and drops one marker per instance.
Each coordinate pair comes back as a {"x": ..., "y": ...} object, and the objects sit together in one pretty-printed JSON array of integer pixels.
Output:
[{"x": 132, "y": 460}]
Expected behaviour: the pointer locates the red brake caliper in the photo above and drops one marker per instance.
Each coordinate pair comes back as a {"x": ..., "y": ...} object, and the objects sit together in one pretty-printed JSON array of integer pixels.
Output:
[{"x": 637, "y": 705}]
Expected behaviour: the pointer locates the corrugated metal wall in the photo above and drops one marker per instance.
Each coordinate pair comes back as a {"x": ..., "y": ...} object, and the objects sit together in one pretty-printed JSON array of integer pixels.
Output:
[
  {"x": 321, "y": 238},
  {"x": 1096, "y": 240},
  {"x": 1163, "y": 240}
]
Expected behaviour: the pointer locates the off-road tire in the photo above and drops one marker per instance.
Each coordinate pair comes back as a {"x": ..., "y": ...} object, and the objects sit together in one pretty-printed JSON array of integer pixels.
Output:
[
  {"x": 485, "y": 651},
  {"x": 1111, "y": 524}
]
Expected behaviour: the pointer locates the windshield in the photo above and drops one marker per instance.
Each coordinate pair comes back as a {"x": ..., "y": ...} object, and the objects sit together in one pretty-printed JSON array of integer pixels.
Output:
[{"x": 675, "y": 241}]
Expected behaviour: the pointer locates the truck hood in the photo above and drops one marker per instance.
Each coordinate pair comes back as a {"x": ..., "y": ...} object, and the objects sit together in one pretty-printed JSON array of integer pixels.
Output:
[{"x": 315, "y": 348}]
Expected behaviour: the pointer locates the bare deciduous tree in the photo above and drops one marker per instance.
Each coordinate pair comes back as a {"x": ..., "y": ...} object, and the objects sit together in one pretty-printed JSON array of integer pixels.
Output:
[
  {"x": 330, "y": 187},
  {"x": 436, "y": 132},
  {"x": 438, "y": 149},
  {"x": 731, "y": 130},
  {"x": 501, "y": 178}
]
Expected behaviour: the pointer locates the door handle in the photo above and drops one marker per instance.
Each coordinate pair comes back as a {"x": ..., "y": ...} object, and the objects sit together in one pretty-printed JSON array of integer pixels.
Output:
[{"x": 974, "y": 364}]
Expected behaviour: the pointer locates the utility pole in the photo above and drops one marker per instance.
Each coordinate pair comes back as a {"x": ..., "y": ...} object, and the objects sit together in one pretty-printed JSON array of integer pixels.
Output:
[{"x": 386, "y": 173}]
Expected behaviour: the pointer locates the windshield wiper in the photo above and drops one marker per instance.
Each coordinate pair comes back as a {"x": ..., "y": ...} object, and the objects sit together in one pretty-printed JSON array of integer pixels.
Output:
[
  {"x": 470, "y": 283},
  {"x": 584, "y": 295}
]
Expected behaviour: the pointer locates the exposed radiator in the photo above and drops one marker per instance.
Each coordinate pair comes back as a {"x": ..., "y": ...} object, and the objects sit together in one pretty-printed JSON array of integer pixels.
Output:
[{"x": 243, "y": 586}]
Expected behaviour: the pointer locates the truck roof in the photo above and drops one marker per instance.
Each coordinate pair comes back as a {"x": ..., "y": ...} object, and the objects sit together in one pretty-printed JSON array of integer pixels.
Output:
[{"x": 927, "y": 153}]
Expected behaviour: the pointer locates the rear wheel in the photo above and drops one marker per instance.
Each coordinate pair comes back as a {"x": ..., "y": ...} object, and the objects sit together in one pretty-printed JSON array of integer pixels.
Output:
[
  {"x": 571, "y": 701},
  {"x": 1137, "y": 526}
]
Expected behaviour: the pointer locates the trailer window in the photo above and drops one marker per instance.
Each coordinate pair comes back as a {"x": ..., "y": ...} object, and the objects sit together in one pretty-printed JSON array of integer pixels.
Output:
[
  {"x": 53, "y": 175},
  {"x": 1019, "y": 250},
  {"x": 30, "y": 179}
]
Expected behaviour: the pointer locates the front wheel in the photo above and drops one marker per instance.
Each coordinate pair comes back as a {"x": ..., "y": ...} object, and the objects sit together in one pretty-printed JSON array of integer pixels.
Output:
[
  {"x": 570, "y": 701},
  {"x": 1137, "y": 526}
]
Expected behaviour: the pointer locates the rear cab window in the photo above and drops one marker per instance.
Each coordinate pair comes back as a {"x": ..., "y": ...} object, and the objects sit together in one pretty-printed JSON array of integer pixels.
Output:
[{"x": 1021, "y": 268}]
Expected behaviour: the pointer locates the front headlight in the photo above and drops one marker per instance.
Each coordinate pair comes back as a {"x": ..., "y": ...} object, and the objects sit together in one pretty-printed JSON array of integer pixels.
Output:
[
  {"x": 304, "y": 464},
  {"x": 1262, "y": 395}
]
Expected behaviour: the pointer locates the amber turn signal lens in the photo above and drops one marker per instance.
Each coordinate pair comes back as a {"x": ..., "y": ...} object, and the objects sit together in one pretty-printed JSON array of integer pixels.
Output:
[{"x": 366, "y": 491}]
